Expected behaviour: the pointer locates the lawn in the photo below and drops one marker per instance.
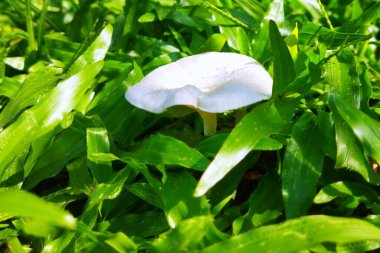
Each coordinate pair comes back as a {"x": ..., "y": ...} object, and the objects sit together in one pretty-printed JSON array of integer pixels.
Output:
[{"x": 86, "y": 165}]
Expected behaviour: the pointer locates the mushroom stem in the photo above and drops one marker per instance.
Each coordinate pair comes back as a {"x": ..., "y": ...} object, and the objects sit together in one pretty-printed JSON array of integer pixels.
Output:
[{"x": 209, "y": 122}]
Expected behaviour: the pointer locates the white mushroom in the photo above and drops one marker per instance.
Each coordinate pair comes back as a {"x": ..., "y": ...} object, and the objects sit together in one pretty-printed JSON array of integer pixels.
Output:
[{"x": 210, "y": 83}]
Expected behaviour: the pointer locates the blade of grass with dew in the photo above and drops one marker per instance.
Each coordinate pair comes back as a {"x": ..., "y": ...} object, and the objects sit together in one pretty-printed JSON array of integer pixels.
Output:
[
  {"x": 79, "y": 175},
  {"x": 94, "y": 49},
  {"x": 34, "y": 88},
  {"x": 45, "y": 116}
]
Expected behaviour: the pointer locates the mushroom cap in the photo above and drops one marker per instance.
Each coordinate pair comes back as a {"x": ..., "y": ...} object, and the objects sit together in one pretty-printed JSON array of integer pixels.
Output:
[{"x": 212, "y": 82}]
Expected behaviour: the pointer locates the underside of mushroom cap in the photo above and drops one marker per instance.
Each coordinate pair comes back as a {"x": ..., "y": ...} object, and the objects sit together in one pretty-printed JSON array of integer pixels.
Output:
[{"x": 212, "y": 82}]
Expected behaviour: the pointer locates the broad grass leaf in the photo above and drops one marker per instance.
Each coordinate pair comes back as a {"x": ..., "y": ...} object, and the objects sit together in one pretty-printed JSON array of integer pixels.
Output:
[
  {"x": 311, "y": 32},
  {"x": 98, "y": 142},
  {"x": 302, "y": 166},
  {"x": 10, "y": 86},
  {"x": 92, "y": 51},
  {"x": 60, "y": 48},
  {"x": 160, "y": 149},
  {"x": 108, "y": 190},
  {"x": 46, "y": 115},
  {"x": 79, "y": 175},
  {"x": 344, "y": 81},
  {"x": 283, "y": 67},
  {"x": 371, "y": 14},
  {"x": 253, "y": 8},
  {"x": 261, "y": 43},
  {"x": 147, "y": 193},
  {"x": 147, "y": 17},
  {"x": 362, "y": 246},
  {"x": 122, "y": 121},
  {"x": 68, "y": 145},
  {"x": 143, "y": 224},
  {"x": 38, "y": 147},
  {"x": 177, "y": 197},
  {"x": 365, "y": 128},
  {"x": 264, "y": 120},
  {"x": 189, "y": 236},
  {"x": 214, "y": 43},
  {"x": 292, "y": 43},
  {"x": 183, "y": 18},
  {"x": 14, "y": 245},
  {"x": 14, "y": 172},
  {"x": 365, "y": 89},
  {"x": 236, "y": 39},
  {"x": 24, "y": 204},
  {"x": 343, "y": 189},
  {"x": 265, "y": 203},
  {"x": 65, "y": 242},
  {"x": 119, "y": 242},
  {"x": 33, "y": 89},
  {"x": 303, "y": 233},
  {"x": 327, "y": 134},
  {"x": 210, "y": 146},
  {"x": 261, "y": 49}
]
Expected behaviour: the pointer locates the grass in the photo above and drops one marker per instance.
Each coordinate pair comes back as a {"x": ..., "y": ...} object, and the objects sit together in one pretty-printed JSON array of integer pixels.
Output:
[{"x": 82, "y": 170}]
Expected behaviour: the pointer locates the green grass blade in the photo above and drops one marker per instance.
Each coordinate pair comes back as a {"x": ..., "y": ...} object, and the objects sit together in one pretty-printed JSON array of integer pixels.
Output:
[
  {"x": 178, "y": 199},
  {"x": 14, "y": 245},
  {"x": 24, "y": 204},
  {"x": 34, "y": 88},
  {"x": 265, "y": 203},
  {"x": 108, "y": 190},
  {"x": 98, "y": 142},
  {"x": 302, "y": 166},
  {"x": 154, "y": 223},
  {"x": 283, "y": 67},
  {"x": 214, "y": 43},
  {"x": 303, "y": 233},
  {"x": 346, "y": 188},
  {"x": 93, "y": 49},
  {"x": 189, "y": 236},
  {"x": 344, "y": 81},
  {"x": 67, "y": 146},
  {"x": 45, "y": 116},
  {"x": 264, "y": 120},
  {"x": 160, "y": 149},
  {"x": 366, "y": 129}
]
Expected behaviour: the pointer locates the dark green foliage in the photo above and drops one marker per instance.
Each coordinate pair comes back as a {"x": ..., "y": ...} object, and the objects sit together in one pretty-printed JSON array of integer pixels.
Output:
[{"x": 82, "y": 170}]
